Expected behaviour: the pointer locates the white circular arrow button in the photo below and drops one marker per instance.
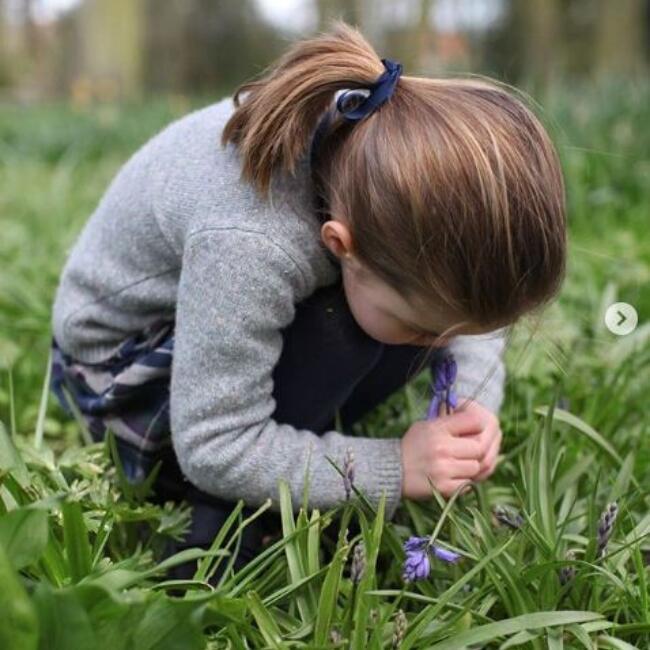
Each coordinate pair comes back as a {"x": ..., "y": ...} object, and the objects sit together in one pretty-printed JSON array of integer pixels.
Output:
[{"x": 621, "y": 318}]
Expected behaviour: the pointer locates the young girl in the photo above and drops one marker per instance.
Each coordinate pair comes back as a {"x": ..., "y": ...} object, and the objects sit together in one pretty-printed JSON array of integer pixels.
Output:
[{"x": 264, "y": 262}]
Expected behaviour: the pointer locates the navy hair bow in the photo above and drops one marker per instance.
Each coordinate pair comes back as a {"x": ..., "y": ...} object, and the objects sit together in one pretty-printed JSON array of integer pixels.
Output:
[
  {"x": 376, "y": 94},
  {"x": 357, "y": 103},
  {"x": 354, "y": 105}
]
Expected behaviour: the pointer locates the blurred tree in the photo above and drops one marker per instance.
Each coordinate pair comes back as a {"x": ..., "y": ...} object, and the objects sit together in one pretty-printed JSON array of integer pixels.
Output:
[
  {"x": 30, "y": 39},
  {"x": 541, "y": 22},
  {"x": 205, "y": 46},
  {"x": 349, "y": 10},
  {"x": 4, "y": 54},
  {"x": 620, "y": 33},
  {"x": 222, "y": 43},
  {"x": 110, "y": 40},
  {"x": 424, "y": 36},
  {"x": 127, "y": 47}
]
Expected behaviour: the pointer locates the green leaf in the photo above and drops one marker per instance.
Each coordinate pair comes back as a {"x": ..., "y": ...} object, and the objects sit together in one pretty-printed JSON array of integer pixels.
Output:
[
  {"x": 328, "y": 597},
  {"x": 372, "y": 541},
  {"x": 11, "y": 461},
  {"x": 42, "y": 408},
  {"x": 24, "y": 535},
  {"x": 519, "y": 639},
  {"x": 625, "y": 475},
  {"x": 75, "y": 539},
  {"x": 541, "y": 481},
  {"x": 265, "y": 622},
  {"x": 313, "y": 543},
  {"x": 169, "y": 624},
  {"x": 63, "y": 621},
  {"x": 19, "y": 626},
  {"x": 292, "y": 550},
  {"x": 579, "y": 425},
  {"x": 493, "y": 631},
  {"x": 605, "y": 641}
]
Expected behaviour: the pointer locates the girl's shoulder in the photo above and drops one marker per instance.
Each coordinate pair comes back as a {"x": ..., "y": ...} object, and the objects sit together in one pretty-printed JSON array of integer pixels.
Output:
[{"x": 200, "y": 187}]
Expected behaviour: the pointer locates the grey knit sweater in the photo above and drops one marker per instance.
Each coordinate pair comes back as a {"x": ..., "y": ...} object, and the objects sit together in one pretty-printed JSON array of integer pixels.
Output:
[{"x": 179, "y": 234}]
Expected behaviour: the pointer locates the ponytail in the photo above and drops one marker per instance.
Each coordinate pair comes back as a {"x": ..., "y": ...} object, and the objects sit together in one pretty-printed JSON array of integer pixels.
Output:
[
  {"x": 272, "y": 126},
  {"x": 452, "y": 190}
]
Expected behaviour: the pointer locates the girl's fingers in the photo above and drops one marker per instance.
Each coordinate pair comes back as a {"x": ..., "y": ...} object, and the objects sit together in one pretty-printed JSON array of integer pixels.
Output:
[
  {"x": 463, "y": 423},
  {"x": 464, "y": 469},
  {"x": 489, "y": 462},
  {"x": 464, "y": 449},
  {"x": 448, "y": 487},
  {"x": 473, "y": 447}
]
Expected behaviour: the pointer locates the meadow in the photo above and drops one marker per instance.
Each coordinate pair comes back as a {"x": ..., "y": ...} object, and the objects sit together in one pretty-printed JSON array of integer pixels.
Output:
[{"x": 555, "y": 547}]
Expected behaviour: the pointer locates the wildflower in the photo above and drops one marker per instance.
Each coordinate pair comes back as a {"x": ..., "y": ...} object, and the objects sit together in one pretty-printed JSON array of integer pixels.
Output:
[
  {"x": 417, "y": 565},
  {"x": 399, "y": 630},
  {"x": 348, "y": 472},
  {"x": 335, "y": 636},
  {"x": 568, "y": 573},
  {"x": 443, "y": 388},
  {"x": 358, "y": 563},
  {"x": 508, "y": 516},
  {"x": 605, "y": 527}
]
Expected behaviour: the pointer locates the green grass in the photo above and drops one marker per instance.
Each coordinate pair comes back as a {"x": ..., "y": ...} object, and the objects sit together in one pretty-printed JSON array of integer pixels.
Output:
[{"x": 79, "y": 549}]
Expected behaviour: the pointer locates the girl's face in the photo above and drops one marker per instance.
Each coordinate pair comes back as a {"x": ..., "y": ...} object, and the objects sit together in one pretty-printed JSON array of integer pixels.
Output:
[
  {"x": 385, "y": 316},
  {"x": 381, "y": 311}
]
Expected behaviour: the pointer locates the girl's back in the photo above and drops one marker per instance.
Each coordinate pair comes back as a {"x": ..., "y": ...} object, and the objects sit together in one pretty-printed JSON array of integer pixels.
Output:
[{"x": 123, "y": 273}]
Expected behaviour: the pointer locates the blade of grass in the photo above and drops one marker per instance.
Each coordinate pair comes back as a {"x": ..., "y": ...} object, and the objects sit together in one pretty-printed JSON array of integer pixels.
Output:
[
  {"x": 42, "y": 407},
  {"x": 494, "y": 631}
]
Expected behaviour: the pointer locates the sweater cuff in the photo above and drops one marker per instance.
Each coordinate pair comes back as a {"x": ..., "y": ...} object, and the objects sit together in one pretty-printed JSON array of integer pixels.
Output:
[{"x": 378, "y": 469}]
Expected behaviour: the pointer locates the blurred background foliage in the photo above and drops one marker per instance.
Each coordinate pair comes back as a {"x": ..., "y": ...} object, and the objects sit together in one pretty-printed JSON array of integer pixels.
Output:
[{"x": 99, "y": 50}]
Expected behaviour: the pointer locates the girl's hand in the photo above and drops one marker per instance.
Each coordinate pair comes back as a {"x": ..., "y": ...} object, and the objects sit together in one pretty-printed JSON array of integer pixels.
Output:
[
  {"x": 491, "y": 431},
  {"x": 451, "y": 450}
]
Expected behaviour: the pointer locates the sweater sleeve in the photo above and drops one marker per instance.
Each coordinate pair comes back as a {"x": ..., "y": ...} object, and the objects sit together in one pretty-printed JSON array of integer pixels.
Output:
[
  {"x": 237, "y": 291},
  {"x": 481, "y": 372}
]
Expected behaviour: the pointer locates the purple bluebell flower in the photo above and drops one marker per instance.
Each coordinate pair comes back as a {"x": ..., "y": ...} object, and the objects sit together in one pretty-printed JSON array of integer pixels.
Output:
[
  {"x": 605, "y": 528},
  {"x": 568, "y": 572},
  {"x": 445, "y": 555},
  {"x": 443, "y": 387},
  {"x": 417, "y": 565}
]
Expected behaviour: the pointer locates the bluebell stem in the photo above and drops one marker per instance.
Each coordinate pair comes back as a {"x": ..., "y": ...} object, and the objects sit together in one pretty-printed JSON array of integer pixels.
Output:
[
  {"x": 348, "y": 472},
  {"x": 605, "y": 527},
  {"x": 358, "y": 565},
  {"x": 443, "y": 388},
  {"x": 399, "y": 631},
  {"x": 508, "y": 516},
  {"x": 417, "y": 565},
  {"x": 568, "y": 573}
]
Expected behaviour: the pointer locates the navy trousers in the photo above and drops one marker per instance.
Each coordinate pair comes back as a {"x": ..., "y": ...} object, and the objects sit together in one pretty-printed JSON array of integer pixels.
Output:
[{"x": 328, "y": 363}]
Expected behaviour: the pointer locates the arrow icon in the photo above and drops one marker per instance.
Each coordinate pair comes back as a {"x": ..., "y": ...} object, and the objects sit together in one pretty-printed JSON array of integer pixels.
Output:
[{"x": 621, "y": 318}]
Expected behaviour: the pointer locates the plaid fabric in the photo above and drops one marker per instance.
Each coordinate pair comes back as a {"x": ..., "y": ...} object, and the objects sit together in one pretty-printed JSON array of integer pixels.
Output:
[{"x": 128, "y": 394}]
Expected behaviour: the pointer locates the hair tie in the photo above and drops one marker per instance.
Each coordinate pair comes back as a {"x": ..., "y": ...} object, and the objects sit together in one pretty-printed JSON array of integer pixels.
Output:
[
  {"x": 354, "y": 104},
  {"x": 357, "y": 103}
]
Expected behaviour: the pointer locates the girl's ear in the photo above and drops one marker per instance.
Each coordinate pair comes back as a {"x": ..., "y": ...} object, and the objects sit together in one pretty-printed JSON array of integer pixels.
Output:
[{"x": 338, "y": 239}]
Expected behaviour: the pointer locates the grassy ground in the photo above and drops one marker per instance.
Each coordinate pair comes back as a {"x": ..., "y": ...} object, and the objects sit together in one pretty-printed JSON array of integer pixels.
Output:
[{"x": 78, "y": 548}]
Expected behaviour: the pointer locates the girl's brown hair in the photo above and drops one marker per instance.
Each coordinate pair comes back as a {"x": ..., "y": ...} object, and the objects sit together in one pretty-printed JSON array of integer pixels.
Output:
[{"x": 452, "y": 189}]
